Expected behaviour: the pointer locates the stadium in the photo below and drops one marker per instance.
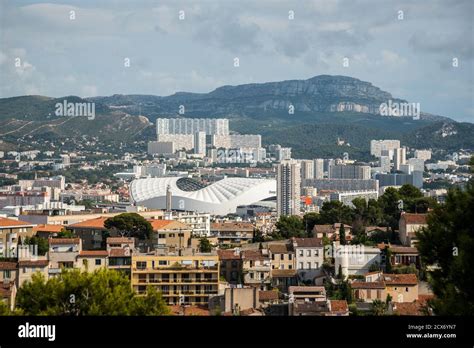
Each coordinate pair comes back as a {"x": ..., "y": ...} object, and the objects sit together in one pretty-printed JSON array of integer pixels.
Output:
[{"x": 219, "y": 198}]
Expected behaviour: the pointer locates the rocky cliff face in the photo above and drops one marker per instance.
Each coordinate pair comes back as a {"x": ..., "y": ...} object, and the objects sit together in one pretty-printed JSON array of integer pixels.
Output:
[{"x": 322, "y": 93}]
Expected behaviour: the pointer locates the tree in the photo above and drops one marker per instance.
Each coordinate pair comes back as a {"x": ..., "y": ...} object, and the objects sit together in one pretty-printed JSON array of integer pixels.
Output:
[
  {"x": 75, "y": 293},
  {"x": 378, "y": 307},
  {"x": 204, "y": 245},
  {"x": 309, "y": 220},
  {"x": 334, "y": 211},
  {"x": 289, "y": 226},
  {"x": 342, "y": 235},
  {"x": 130, "y": 225},
  {"x": 388, "y": 259},
  {"x": 42, "y": 243},
  {"x": 389, "y": 204},
  {"x": 65, "y": 234},
  {"x": 447, "y": 242},
  {"x": 258, "y": 236}
]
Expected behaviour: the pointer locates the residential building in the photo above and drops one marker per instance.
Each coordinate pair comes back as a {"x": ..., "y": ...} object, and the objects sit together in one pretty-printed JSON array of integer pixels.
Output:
[
  {"x": 342, "y": 184},
  {"x": 232, "y": 233},
  {"x": 408, "y": 225},
  {"x": 307, "y": 169},
  {"x": 161, "y": 148},
  {"x": 349, "y": 172},
  {"x": 230, "y": 265},
  {"x": 288, "y": 188},
  {"x": 171, "y": 234},
  {"x": 188, "y": 279},
  {"x": 377, "y": 286},
  {"x": 399, "y": 158},
  {"x": 348, "y": 196},
  {"x": 63, "y": 253},
  {"x": 92, "y": 260},
  {"x": 318, "y": 168},
  {"x": 256, "y": 267},
  {"x": 377, "y": 146},
  {"x": 424, "y": 155},
  {"x": 355, "y": 259},
  {"x": 200, "y": 143},
  {"x": 93, "y": 233},
  {"x": 209, "y": 126},
  {"x": 13, "y": 232},
  {"x": 309, "y": 258},
  {"x": 120, "y": 250}
]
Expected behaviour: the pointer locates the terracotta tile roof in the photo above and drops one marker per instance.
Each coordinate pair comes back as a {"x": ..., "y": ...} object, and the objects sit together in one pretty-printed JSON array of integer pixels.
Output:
[
  {"x": 325, "y": 229},
  {"x": 228, "y": 254},
  {"x": 190, "y": 310},
  {"x": 369, "y": 229},
  {"x": 367, "y": 285},
  {"x": 93, "y": 253},
  {"x": 48, "y": 228},
  {"x": 232, "y": 226},
  {"x": 37, "y": 263},
  {"x": 117, "y": 252},
  {"x": 306, "y": 289},
  {"x": 120, "y": 240},
  {"x": 253, "y": 255},
  {"x": 407, "y": 308},
  {"x": 92, "y": 223},
  {"x": 414, "y": 219},
  {"x": 308, "y": 242},
  {"x": 267, "y": 295},
  {"x": 280, "y": 248},
  {"x": 282, "y": 273},
  {"x": 403, "y": 250},
  {"x": 167, "y": 225},
  {"x": 400, "y": 279},
  {"x": 5, "y": 222},
  {"x": 5, "y": 265},
  {"x": 58, "y": 241},
  {"x": 339, "y": 306}
]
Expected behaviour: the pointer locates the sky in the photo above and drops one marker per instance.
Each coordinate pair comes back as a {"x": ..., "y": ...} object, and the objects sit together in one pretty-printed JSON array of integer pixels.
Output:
[{"x": 421, "y": 51}]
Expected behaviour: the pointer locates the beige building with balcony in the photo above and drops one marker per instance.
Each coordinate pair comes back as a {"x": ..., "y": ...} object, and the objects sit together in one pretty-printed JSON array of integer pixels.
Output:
[
  {"x": 188, "y": 279},
  {"x": 11, "y": 233},
  {"x": 63, "y": 253},
  {"x": 256, "y": 268}
]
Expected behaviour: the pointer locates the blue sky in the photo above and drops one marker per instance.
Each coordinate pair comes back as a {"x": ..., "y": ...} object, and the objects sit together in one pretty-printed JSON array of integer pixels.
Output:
[{"x": 43, "y": 51}]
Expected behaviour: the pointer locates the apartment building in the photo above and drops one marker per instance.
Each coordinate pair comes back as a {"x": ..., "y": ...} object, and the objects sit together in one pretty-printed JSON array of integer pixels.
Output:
[
  {"x": 11, "y": 233},
  {"x": 92, "y": 260},
  {"x": 309, "y": 258},
  {"x": 256, "y": 268},
  {"x": 171, "y": 234},
  {"x": 188, "y": 279},
  {"x": 120, "y": 251},
  {"x": 230, "y": 265},
  {"x": 408, "y": 225},
  {"x": 63, "y": 254},
  {"x": 232, "y": 233},
  {"x": 92, "y": 233}
]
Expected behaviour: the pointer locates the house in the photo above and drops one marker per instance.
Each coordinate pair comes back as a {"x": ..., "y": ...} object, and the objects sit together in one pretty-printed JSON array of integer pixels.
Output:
[
  {"x": 309, "y": 258},
  {"x": 93, "y": 233},
  {"x": 338, "y": 308},
  {"x": 8, "y": 293},
  {"x": 240, "y": 299},
  {"x": 355, "y": 259},
  {"x": 402, "y": 255},
  {"x": 47, "y": 231},
  {"x": 92, "y": 260},
  {"x": 12, "y": 232},
  {"x": 408, "y": 225},
  {"x": 332, "y": 231},
  {"x": 307, "y": 300},
  {"x": 374, "y": 230},
  {"x": 268, "y": 297},
  {"x": 63, "y": 253},
  {"x": 283, "y": 278},
  {"x": 230, "y": 265},
  {"x": 171, "y": 234},
  {"x": 420, "y": 307},
  {"x": 282, "y": 256},
  {"x": 120, "y": 250},
  {"x": 256, "y": 267},
  {"x": 26, "y": 269},
  {"x": 377, "y": 286},
  {"x": 232, "y": 233}
]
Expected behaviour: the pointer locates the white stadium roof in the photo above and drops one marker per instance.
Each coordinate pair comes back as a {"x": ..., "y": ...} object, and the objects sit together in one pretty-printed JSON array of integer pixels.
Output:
[{"x": 220, "y": 198}]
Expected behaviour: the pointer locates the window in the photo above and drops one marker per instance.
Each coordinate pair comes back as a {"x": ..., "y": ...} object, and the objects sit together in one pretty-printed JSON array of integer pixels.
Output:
[
  {"x": 171, "y": 235},
  {"x": 282, "y": 266},
  {"x": 301, "y": 265},
  {"x": 290, "y": 257},
  {"x": 301, "y": 252},
  {"x": 308, "y": 252},
  {"x": 273, "y": 256},
  {"x": 6, "y": 274},
  {"x": 316, "y": 252},
  {"x": 141, "y": 264},
  {"x": 316, "y": 265},
  {"x": 290, "y": 267},
  {"x": 406, "y": 289},
  {"x": 98, "y": 262},
  {"x": 161, "y": 235},
  {"x": 282, "y": 256},
  {"x": 162, "y": 262},
  {"x": 309, "y": 265}
]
